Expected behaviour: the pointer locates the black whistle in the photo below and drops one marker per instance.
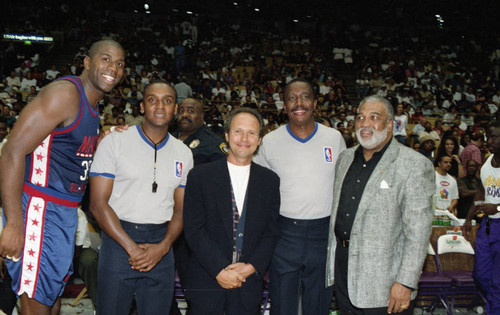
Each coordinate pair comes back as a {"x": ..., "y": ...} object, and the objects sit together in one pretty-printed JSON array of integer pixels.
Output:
[{"x": 155, "y": 186}]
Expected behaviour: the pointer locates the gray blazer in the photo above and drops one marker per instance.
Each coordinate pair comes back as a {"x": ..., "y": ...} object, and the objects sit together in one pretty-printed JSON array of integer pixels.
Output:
[{"x": 392, "y": 227}]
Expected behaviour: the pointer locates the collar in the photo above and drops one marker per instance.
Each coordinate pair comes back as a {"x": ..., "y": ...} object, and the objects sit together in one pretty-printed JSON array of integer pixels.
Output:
[{"x": 359, "y": 150}]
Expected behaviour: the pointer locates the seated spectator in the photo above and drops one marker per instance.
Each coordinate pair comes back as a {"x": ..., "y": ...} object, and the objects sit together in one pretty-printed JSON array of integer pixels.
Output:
[
  {"x": 427, "y": 146},
  {"x": 323, "y": 121},
  {"x": 375, "y": 82},
  {"x": 120, "y": 121},
  {"x": 27, "y": 82},
  {"x": 135, "y": 118},
  {"x": 271, "y": 123},
  {"x": 416, "y": 146},
  {"x": 400, "y": 125},
  {"x": 446, "y": 186},
  {"x": 52, "y": 73},
  {"x": 218, "y": 89},
  {"x": 438, "y": 128},
  {"x": 340, "y": 127},
  {"x": 249, "y": 102},
  {"x": 449, "y": 147},
  {"x": 116, "y": 98},
  {"x": 9, "y": 115},
  {"x": 467, "y": 188},
  {"x": 429, "y": 132},
  {"x": 113, "y": 119},
  {"x": 417, "y": 116},
  {"x": 134, "y": 96},
  {"x": 362, "y": 86},
  {"x": 467, "y": 119},
  {"x": 32, "y": 94},
  {"x": 12, "y": 82}
]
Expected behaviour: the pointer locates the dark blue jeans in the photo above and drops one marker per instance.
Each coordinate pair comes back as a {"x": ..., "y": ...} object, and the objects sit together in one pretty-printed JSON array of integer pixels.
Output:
[
  {"x": 298, "y": 265},
  {"x": 117, "y": 281}
]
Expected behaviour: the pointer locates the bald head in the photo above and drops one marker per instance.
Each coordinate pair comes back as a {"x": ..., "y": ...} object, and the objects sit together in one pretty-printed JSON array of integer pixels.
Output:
[
  {"x": 190, "y": 116},
  {"x": 192, "y": 102},
  {"x": 97, "y": 46}
]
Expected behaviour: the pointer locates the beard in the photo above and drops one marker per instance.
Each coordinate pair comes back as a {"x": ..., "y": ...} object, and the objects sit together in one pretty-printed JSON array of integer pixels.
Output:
[{"x": 378, "y": 137}]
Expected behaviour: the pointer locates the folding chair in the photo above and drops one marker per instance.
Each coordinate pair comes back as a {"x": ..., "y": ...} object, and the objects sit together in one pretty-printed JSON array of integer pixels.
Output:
[
  {"x": 179, "y": 294},
  {"x": 464, "y": 286},
  {"x": 265, "y": 295},
  {"x": 434, "y": 287}
]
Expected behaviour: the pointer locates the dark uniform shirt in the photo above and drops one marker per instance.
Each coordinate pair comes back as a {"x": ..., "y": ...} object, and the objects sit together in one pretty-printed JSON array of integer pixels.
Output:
[
  {"x": 464, "y": 203},
  {"x": 352, "y": 189},
  {"x": 205, "y": 145}
]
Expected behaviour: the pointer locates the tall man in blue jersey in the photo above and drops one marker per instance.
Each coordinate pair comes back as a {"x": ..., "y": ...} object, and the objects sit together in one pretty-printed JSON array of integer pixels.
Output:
[{"x": 43, "y": 175}]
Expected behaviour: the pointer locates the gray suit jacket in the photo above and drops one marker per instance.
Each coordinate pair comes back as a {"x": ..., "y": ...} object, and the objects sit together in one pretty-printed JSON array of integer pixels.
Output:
[{"x": 392, "y": 227}]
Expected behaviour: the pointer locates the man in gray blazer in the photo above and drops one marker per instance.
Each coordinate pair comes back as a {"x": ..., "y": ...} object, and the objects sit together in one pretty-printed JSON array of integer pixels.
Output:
[{"x": 381, "y": 218}]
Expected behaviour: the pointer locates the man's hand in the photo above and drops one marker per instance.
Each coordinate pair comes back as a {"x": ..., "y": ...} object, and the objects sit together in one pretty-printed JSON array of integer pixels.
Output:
[
  {"x": 110, "y": 130},
  {"x": 486, "y": 209},
  {"x": 11, "y": 242},
  {"x": 229, "y": 279},
  {"x": 452, "y": 210},
  {"x": 399, "y": 298},
  {"x": 243, "y": 269},
  {"x": 149, "y": 257},
  {"x": 466, "y": 230}
]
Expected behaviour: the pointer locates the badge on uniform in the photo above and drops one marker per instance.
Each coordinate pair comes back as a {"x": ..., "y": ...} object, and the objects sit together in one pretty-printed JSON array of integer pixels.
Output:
[
  {"x": 194, "y": 143},
  {"x": 328, "y": 154},
  {"x": 178, "y": 169},
  {"x": 224, "y": 148}
]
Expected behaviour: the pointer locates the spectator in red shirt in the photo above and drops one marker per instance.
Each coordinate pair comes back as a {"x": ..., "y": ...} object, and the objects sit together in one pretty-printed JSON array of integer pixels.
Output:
[{"x": 472, "y": 151}]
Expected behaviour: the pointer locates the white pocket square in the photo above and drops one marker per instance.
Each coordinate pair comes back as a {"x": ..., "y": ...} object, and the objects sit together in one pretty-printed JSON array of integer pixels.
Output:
[{"x": 384, "y": 185}]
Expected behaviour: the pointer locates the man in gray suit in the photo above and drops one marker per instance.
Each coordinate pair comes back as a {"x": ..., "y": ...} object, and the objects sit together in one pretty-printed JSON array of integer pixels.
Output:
[{"x": 381, "y": 218}]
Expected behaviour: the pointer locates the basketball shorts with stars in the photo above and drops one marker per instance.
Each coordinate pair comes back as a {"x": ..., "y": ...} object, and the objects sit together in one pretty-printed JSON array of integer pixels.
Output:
[{"x": 49, "y": 240}]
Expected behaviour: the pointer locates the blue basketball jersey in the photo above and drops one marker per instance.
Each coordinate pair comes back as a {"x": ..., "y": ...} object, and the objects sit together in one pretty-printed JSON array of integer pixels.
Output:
[{"x": 60, "y": 164}]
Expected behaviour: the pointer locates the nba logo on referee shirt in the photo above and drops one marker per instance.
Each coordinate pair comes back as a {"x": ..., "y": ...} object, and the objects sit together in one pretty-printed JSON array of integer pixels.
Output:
[
  {"x": 178, "y": 169},
  {"x": 328, "y": 154}
]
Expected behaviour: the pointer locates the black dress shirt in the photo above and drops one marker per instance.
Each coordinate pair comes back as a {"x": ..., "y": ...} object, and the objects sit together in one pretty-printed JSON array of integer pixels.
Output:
[{"x": 352, "y": 189}]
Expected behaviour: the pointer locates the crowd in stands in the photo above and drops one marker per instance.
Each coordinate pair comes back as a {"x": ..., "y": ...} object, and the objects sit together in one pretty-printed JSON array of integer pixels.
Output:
[{"x": 439, "y": 88}]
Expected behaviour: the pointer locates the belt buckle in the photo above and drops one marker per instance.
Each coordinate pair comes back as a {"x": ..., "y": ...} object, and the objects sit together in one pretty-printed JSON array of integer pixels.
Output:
[{"x": 344, "y": 243}]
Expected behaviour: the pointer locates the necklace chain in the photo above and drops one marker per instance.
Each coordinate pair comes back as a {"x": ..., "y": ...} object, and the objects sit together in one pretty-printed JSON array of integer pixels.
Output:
[{"x": 155, "y": 144}]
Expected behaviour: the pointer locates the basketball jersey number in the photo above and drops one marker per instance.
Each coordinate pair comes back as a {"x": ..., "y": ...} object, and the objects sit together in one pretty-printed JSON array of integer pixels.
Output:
[{"x": 86, "y": 166}]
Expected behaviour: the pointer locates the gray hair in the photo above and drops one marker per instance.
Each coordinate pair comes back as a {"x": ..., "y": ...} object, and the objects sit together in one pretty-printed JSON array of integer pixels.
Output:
[{"x": 376, "y": 98}]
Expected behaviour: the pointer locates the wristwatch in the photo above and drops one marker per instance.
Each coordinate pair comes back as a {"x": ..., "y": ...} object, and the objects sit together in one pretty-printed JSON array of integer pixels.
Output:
[{"x": 498, "y": 208}]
